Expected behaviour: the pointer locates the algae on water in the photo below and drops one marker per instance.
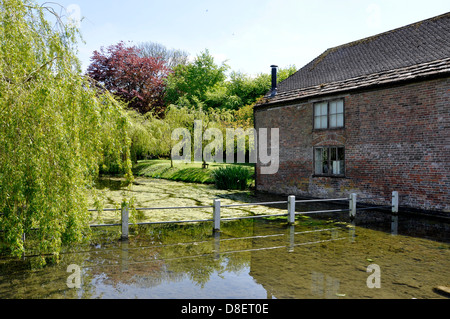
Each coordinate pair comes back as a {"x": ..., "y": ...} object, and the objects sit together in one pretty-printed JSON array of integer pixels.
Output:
[{"x": 148, "y": 192}]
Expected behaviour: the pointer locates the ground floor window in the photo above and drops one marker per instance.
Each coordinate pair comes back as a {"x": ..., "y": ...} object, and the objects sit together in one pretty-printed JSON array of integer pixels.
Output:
[{"x": 329, "y": 161}]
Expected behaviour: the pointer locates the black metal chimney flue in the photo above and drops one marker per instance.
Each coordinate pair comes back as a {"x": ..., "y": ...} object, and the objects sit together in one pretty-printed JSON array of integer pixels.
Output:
[{"x": 274, "y": 80}]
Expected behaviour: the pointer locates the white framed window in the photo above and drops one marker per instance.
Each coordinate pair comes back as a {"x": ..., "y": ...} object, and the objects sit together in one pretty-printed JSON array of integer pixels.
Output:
[{"x": 329, "y": 114}]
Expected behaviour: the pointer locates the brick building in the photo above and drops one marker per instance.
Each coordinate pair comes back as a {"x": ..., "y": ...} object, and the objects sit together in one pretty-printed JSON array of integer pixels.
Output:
[{"x": 367, "y": 117}]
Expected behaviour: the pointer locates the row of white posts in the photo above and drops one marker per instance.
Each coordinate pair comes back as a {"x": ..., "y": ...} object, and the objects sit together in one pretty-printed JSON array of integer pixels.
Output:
[{"x": 290, "y": 214}]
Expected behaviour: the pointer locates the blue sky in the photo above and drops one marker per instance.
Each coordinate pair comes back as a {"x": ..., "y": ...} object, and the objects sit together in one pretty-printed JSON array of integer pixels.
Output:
[{"x": 250, "y": 34}]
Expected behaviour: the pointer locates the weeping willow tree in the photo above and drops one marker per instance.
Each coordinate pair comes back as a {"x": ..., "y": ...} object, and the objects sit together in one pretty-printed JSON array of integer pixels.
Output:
[{"x": 55, "y": 130}]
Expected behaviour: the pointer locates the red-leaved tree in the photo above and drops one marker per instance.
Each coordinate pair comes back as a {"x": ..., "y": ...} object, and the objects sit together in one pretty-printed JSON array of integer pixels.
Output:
[{"x": 138, "y": 80}]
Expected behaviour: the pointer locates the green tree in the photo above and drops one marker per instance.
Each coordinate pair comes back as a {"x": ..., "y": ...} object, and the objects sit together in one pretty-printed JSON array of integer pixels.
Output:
[
  {"x": 143, "y": 142},
  {"x": 188, "y": 84},
  {"x": 55, "y": 130},
  {"x": 249, "y": 89}
]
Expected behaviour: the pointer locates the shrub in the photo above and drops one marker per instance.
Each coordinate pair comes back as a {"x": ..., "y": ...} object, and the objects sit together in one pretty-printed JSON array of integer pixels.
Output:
[{"x": 232, "y": 177}]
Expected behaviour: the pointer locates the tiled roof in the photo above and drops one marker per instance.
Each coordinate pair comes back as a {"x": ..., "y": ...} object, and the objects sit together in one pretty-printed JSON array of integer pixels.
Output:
[{"x": 413, "y": 51}]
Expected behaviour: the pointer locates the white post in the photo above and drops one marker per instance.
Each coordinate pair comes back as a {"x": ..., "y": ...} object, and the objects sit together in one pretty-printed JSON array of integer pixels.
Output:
[
  {"x": 291, "y": 210},
  {"x": 394, "y": 202},
  {"x": 352, "y": 206},
  {"x": 125, "y": 221},
  {"x": 216, "y": 215}
]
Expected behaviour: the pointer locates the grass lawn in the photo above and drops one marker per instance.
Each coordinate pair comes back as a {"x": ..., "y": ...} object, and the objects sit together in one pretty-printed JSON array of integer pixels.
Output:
[{"x": 185, "y": 172}]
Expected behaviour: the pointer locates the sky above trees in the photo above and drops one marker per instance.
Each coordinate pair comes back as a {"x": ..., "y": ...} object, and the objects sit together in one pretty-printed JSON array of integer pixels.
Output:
[{"x": 250, "y": 34}]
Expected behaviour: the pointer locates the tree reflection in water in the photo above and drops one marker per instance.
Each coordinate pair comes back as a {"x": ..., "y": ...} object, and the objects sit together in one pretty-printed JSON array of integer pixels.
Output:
[{"x": 316, "y": 258}]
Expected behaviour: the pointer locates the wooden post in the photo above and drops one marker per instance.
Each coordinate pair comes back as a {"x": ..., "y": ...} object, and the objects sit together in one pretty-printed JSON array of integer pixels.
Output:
[
  {"x": 291, "y": 210},
  {"x": 394, "y": 202},
  {"x": 352, "y": 206},
  {"x": 216, "y": 215},
  {"x": 125, "y": 219}
]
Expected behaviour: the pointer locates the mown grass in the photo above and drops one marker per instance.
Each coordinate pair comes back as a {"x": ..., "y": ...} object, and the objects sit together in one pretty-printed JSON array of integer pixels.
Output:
[{"x": 184, "y": 172}]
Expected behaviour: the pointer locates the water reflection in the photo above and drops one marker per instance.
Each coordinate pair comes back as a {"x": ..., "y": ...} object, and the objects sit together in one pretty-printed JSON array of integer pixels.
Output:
[
  {"x": 315, "y": 258},
  {"x": 217, "y": 265},
  {"x": 394, "y": 224},
  {"x": 324, "y": 286}
]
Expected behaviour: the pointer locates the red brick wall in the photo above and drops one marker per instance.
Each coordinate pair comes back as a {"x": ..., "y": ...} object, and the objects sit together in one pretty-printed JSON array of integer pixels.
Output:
[{"x": 395, "y": 138}]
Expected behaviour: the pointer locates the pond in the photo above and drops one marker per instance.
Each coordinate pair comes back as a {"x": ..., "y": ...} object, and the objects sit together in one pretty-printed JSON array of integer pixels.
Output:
[
  {"x": 321, "y": 256},
  {"x": 148, "y": 192}
]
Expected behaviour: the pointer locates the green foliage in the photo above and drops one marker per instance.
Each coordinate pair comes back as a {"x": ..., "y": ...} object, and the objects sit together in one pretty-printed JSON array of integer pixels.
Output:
[
  {"x": 152, "y": 136},
  {"x": 232, "y": 177},
  {"x": 204, "y": 84},
  {"x": 55, "y": 130},
  {"x": 189, "y": 84},
  {"x": 249, "y": 89},
  {"x": 143, "y": 132}
]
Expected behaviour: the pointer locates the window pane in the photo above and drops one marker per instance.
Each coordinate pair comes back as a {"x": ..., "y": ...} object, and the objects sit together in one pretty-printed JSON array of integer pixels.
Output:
[
  {"x": 335, "y": 167},
  {"x": 333, "y": 153},
  {"x": 320, "y": 109},
  {"x": 340, "y": 106},
  {"x": 338, "y": 164},
  {"x": 320, "y": 115},
  {"x": 323, "y": 122},
  {"x": 318, "y": 159},
  {"x": 325, "y": 160},
  {"x": 333, "y": 120},
  {"x": 340, "y": 120},
  {"x": 337, "y": 113},
  {"x": 317, "y": 110},
  {"x": 341, "y": 153},
  {"x": 317, "y": 122},
  {"x": 333, "y": 107},
  {"x": 323, "y": 108},
  {"x": 320, "y": 121},
  {"x": 338, "y": 167}
]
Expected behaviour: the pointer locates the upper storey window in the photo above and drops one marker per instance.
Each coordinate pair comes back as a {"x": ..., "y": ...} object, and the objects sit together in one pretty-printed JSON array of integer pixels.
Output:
[{"x": 329, "y": 114}]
